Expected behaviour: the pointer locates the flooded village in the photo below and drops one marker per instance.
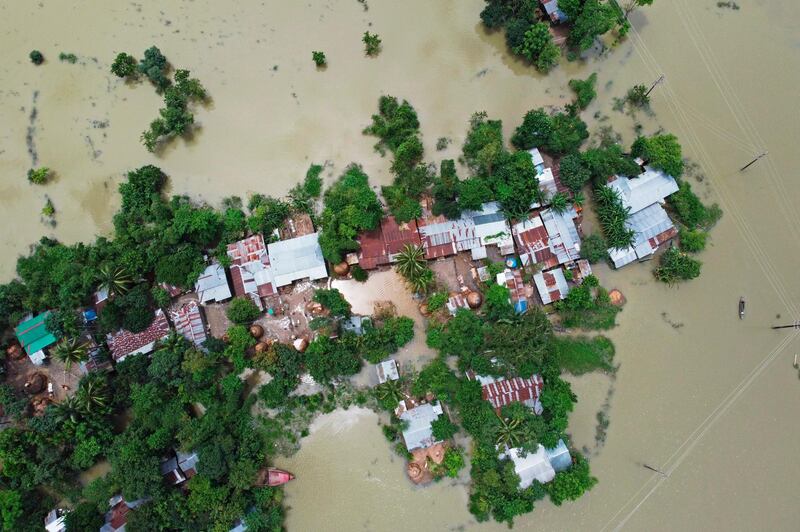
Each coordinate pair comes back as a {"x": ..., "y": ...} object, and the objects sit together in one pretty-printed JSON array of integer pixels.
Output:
[{"x": 349, "y": 366}]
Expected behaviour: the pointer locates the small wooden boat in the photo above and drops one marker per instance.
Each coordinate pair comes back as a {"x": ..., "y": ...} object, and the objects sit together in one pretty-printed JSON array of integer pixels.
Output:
[
  {"x": 741, "y": 308},
  {"x": 272, "y": 476}
]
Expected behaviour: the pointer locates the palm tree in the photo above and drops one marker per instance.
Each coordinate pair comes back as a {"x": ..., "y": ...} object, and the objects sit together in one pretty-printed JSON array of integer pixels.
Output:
[
  {"x": 93, "y": 393},
  {"x": 115, "y": 280},
  {"x": 510, "y": 432},
  {"x": 411, "y": 262},
  {"x": 390, "y": 391},
  {"x": 559, "y": 203},
  {"x": 578, "y": 199},
  {"x": 68, "y": 411},
  {"x": 71, "y": 351},
  {"x": 421, "y": 282}
]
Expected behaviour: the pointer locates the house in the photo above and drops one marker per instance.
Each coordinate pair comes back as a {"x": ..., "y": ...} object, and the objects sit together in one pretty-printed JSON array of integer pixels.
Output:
[
  {"x": 188, "y": 321},
  {"x": 34, "y": 337},
  {"x": 117, "y": 516},
  {"x": 355, "y": 324},
  {"x": 297, "y": 258},
  {"x": 541, "y": 465},
  {"x": 500, "y": 391},
  {"x": 179, "y": 468},
  {"x": 96, "y": 359},
  {"x": 512, "y": 279},
  {"x": 251, "y": 272},
  {"x": 554, "y": 13},
  {"x": 551, "y": 285},
  {"x": 54, "y": 520},
  {"x": 419, "y": 434},
  {"x": 548, "y": 238},
  {"x": 125, "y": 343},
  {"x": 455, "y": 302},
  {"x": 382, "y": 245},
  {"x": 644, "y": 196},
  {"x": 473, "y": 232},
  {"x": 387, "y": 371},
  {"x": 580, "y": 270},
  {"x": 212, "y": 285}
]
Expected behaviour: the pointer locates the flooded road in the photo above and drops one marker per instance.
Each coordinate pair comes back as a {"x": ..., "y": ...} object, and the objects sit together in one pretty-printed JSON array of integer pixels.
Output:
[{"x": 711, "y": 400}]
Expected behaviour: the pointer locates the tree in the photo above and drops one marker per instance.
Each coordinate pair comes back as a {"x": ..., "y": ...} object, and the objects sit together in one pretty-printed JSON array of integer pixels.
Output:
[
  {"x": 472, "y": 193},
  {"x": 334, "y": 301},
  {"x": 154, "y": 65},
  {"x": 498, "y": 303},
  {"x": 572, "y": 483},
  {"x": 411, "y": 262},
  {"x": 538, "y": 48},
  {"x": 510, "y": 433},
  {"x": 10, "y": 508},
  {"x": 584, "y": 90},
  {"x": 568, "y": 133},
  {"x": 690, "y": 210},
  {"x": 443, "y": 429},
  {"x": 180, "y": 268},
  {"x": 515, "y": 183},
  {"x": 594, "y": 20},
  {"x": 124, "y": 66},
  {"x": 676, "y": 266},
  {"x": 637, "y": 95},
  {"x": 594, "y": 248},
  {"x": 534, "y": 131},
  {"x": 484, "y": 143},
  {"x": 515, "y": 33},
  {"x": 39, "y": 176},
  {"x": 463, "y": 335},
  {"x": 630, "y": 5},
  {"x": 573, "y": 172},
  {"x": 242, "y": 311},
  {"x": 94, "y": 393},
  {"x": 319, "y": 58},
  {"x": 84, "y": 516},
  {"x": 692, "y": 240},
  {"x": 36, "y": 57},
  {"x": 372, "y": 43},
  {"x": 266, "y": 213},
  {"x": 660, "y": 151},
  {"x": 71, "y": 351},
  {"x": 445, "y": 191},
  {"x": 114, "y": 280},
  {"x": 606, "y": 161},
  {"x": 351, "y": 207}
]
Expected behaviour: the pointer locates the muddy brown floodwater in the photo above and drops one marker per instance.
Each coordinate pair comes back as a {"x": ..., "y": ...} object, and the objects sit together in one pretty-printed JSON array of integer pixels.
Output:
[{"x": 710, "y": 400}]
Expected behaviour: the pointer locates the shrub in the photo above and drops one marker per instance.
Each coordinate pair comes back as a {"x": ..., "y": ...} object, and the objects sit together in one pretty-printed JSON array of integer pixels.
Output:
[
  {"x": 372, "y": 43},
  {"x": 242, "y": 311},
  {"x": 637, "y": 95},
  {"x": 690, "y": 211},
  {"x": 319, "y": 58},
  {"x": 574, "y": 173},
  {"x": 437, "y": 301},
  {"x": 36, "y": 57},
  {"x": 39, "y": 176},
  {"x": 594, "y": 248},
  {"x": 67, "y": 57},
  {"x": 334, "y": 301},
  {"x": 453, "y": 461},
  {"x": 584, "y": 90},
  {"x": 124, "y": 65},
  {"x": 660, "y": 151},
  {"x": 359, "y": 273},
  {"x": 692, "y": 240},
  {"x": 676, "y": 266},
  {"x": 612, "y": 215},
  {"x": 443, "y": 428}
]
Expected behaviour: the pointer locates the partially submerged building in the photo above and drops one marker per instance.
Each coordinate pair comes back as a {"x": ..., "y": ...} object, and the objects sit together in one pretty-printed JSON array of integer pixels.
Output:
[
  {"x": 296, "y": 259},
  {"x": 541, "y": 465},
  {"x": 551, "y": 285},
  {"x": 189, "y": 323},
  {"x": 548, "y": 238},
  {"x": 500, "y": 391},
  {"x": 381, "y": 246},
  {"x": 125, "y": 343},
  {"x": 554, "y": 12},
  {"x": 644, "y": 197},
  {"x": 251, "y": 271},
  {"x": 387, "y": 371},
  {"x": 34, "y": 336},
  {"x": 473, "y": 232},
  {"x": 419, "y": 433},
  {"x": 212, "y": 285}
]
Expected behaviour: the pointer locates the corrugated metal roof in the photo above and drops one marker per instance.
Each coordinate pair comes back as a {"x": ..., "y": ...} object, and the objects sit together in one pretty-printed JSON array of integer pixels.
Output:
[
  {"x": 33, "y": 334},
  {"x": 559, "y": 457},
  {"x": 248, "y": 250},
  {"x": 189, "y": 323},
  {"x": 639, "y": 192},
  {"x": 530, "y": 466},
  {"x": 551, "y": 285},
  {"x": 212, "y": 285},
  {"x": 126, "y": 343},
  {"x": 297, "y": 258},
  {"x": 564, "y": 240},
  {"x": 419, "y": 433},
  {"x": 503, "y": 392}
]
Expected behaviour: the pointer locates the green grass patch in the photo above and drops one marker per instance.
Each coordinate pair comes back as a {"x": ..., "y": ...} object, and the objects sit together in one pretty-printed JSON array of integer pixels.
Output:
[{"x": 579, "y": 355}]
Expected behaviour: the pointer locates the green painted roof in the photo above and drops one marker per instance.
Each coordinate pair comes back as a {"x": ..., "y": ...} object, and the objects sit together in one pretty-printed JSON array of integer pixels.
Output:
[{"x": 33, "y": 334}]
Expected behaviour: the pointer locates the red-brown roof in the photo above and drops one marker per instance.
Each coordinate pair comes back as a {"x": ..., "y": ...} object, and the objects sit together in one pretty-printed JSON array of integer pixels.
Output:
[
  {"x": 189, "y": 323},
  {"x": 378, "y": 245},
  {"x": 517, "y": 389},
  {"x": 119, "y": 514},
  {"x": 247, "y": 250},
  {"x": 125, "y": 342},
  {"x": 535, "y": 241}
]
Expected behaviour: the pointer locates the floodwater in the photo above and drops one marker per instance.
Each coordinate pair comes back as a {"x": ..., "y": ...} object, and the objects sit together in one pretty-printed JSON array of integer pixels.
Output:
[{"x": 710, "y": 400}]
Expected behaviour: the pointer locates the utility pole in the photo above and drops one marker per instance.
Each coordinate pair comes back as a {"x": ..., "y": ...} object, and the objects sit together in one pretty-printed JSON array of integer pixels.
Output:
[
  {"x": 653, "y": 86},
  {"x": 751, "y": 163},
  {"x": 656, "y": 470},
  {"x": 795, "y": 325}
]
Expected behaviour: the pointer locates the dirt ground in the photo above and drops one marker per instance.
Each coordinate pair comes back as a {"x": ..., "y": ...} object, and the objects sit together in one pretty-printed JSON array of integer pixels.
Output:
[
  {"x": 455, "y": 272},
  {"x": 218, "y": 323},
  {"x": 64, "y": 382}
]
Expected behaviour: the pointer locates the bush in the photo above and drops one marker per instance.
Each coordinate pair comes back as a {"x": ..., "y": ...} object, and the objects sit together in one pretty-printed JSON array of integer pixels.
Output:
[
  {"x": 437, "y": 301},
  {"x": 690, "y": 211},
  {"x": 676, "y": 266},
  {"x": 124, "y": 66},
  {"x": 319, "y": 58},
  {"x": 594, "y": 248},
  {"x": 36, "y": 57},
  {"x": 573, "y": 172},
  {"x": 453, "y": 461},
  {"x": 68, "y": 58},
  {"x": 443, "y": 429},
  {"x": 637, "y": 95},
  {"x": 359, "y": 273},
  {"x": 692, "y": 240},
  {"x": 242, "y": 311},
  {"x": 39, "y": 176},
  {"x": 584, "y": 90},
  {"x": 334, "y": 301},
  {"x": 372, "y": 43},
  {"x": 660, "y": 151},
  {"x": 572, "y": 483}
]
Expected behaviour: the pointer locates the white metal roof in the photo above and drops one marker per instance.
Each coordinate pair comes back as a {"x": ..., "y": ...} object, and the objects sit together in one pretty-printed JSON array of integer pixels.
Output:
[
  {"x": 547, "y": 293},
  {"x": 565, "y": 243},
  {"x": 297, "y": 258},
  {"x": 212, "y": 285},
  {"x": 419, "y": 433},
  {"x": 533, "y": 466},
  {"x": 387, "y": 371},
  {"x": 647, "y": 223},
  {"x": 639, "y": 192}
]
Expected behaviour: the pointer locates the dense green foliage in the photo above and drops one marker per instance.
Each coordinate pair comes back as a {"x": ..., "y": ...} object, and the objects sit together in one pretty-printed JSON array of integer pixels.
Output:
[
  {"x": 319, "y": 58},
  {"x": 242, "y": 311},
  {"x": 574, "y": 173},
  {"x": 587, "y": 306},
  {"x": 372, "y": 43},
  {"x": 579, "y": 355},
  {"x": 594, "y": 248},
  {"x": 612, "y": 215},
  {"x": 68, "y": 57},
  {"x": 637, "y": 95},
  {"x": 350, "y": 207},
  {"x": 660, "y": 151},
  {"x": 175, "y": 118},
  {"x": 584, "y": 90},
  {"x": 125, "y": 66},
  {"x": 593, "y": 19},
  {"x": 39, "y": 176},
  {"x": 560, "y": 133},
  {"x": 606, "y": 161},
  {"x": 537, "y": 47},
  {"x": 334, "y": 301},
  {"x": 154, "y": 66},
  {"x": 36, "y": 57},
  {"x": 690, "y": 211},
  {"x": 675, "y": 266},
  {"x": 692, "y": 240}
]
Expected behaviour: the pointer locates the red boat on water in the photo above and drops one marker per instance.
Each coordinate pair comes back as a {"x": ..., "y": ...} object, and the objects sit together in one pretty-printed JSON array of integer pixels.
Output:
[{"x": 272, "y": 476}]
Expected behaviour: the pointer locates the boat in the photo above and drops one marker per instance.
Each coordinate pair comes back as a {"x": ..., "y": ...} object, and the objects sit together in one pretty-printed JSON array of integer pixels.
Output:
[
  {"x": 272, "y": 476},
  {"x": 741, "y": 308}
]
